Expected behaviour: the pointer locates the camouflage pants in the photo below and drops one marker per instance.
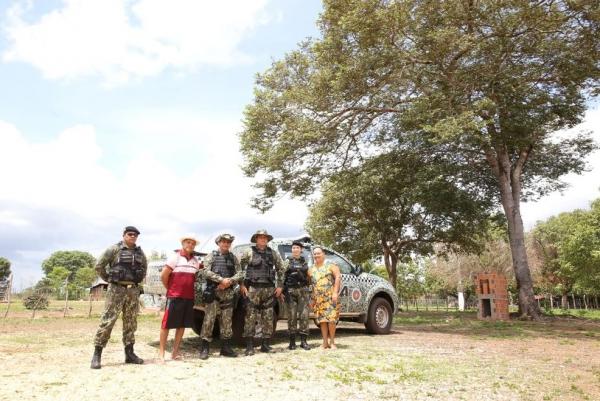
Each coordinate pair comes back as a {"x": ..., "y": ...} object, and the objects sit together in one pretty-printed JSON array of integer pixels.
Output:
[
  {"x": 258, "y": 298},
  {"x": 297, "y": 304},
  {"x": 119, "y": 299},
  {"x": 222, "y": 308}
]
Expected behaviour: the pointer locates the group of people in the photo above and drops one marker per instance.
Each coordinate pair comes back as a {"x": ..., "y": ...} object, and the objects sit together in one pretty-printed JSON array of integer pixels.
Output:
[{"x": 262, "y": 275}]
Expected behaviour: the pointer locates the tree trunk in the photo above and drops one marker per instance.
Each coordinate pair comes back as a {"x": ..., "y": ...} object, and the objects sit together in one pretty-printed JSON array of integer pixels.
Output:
[
  {"x": 585, "y": 304},
  {"x": 509, "y": 180},
  {"x": 573, "y": 298},
  {"x": 390, "y": 259},
  {"x": 564, "y": 301}
]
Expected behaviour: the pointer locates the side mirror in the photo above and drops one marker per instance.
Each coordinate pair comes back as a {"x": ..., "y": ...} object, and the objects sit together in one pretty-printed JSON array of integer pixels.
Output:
[{"x": 358, "y": 270}]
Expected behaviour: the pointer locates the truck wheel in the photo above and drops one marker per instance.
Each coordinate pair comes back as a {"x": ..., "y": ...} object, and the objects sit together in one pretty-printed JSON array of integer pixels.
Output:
[
  {"x": 198, "y": 319},
  {"x": 237, "y": 326},
  {"x": 379, "y": 317}
]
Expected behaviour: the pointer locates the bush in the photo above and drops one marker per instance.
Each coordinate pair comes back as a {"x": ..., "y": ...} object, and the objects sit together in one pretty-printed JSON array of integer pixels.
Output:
[{"x": 36, "y": 301}]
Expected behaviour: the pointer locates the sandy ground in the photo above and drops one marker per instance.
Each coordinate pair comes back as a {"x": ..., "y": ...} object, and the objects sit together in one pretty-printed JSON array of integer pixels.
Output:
[{"x": 48, "y": 359}]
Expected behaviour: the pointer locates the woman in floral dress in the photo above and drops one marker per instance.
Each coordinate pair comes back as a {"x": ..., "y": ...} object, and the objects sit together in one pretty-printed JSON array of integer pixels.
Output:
[{"x": 325, "y": 277}]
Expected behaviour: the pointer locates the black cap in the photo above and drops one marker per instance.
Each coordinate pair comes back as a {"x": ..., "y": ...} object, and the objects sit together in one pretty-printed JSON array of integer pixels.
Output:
[
  {"x": 300, "y": 244},
  {"x": 131, "y": 229}
]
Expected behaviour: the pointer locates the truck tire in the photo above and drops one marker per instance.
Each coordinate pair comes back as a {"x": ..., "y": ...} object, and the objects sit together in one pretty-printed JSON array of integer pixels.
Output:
[
  {"x": 379, "y": 317},
  {"x": 237, "y": 324}
]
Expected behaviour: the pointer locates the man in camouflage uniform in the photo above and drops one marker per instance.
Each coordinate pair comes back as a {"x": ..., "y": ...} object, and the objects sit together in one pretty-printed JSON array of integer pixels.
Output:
[
  {"x": 222, "y": 271},
  {"x": 262, "y": 284},
  {"x": 296, "y": 290},
  {"x": 123, "y": 266}
]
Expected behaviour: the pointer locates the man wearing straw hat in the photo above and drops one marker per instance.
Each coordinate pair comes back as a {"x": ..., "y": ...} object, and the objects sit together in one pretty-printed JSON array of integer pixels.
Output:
[{"x": 178, "y": 276}]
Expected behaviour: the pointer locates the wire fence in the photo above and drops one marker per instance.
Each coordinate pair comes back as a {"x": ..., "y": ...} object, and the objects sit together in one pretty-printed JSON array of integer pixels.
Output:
[{"x": 44, "y": 303}]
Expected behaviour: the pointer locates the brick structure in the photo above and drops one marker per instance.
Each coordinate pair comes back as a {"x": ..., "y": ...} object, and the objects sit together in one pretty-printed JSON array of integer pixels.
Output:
[{"x": 492, "y": 296}]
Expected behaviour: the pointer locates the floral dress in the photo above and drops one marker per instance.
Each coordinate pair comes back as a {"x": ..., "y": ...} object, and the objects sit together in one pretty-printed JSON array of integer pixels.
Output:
[{"x": 323, "y": 280}]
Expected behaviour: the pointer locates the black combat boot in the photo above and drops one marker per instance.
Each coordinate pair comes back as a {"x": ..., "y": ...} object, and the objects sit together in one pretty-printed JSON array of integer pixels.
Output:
[
  {"x": 249, "y": 347},
  {"x": 131, "y": 357},
  {"x": 96, "y": 359},
  {"x": 292, "y": 342},
  {"x": 266, "y": 347},
  {"x": 204, "y": 348},
  {"x": 303, "y": 344},
  {"x": 226, "y": 349}
]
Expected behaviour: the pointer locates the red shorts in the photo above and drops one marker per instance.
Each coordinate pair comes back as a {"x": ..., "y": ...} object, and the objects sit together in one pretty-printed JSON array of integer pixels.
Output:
[{"x": 179, "y": 312}]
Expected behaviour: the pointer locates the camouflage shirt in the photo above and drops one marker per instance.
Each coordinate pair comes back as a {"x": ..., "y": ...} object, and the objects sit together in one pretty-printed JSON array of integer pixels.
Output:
[
  {"x": 108, "y": 257},
  {"x": 280, "y": 268},
  {"x": 207, "y": 273}
]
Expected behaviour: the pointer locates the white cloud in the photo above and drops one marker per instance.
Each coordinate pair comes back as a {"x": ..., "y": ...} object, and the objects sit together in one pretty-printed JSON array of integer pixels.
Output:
[
  {"x": 582, "y": 188},
  {"x": 123, "y": 39},
  {"x": 57, "y": 194}
]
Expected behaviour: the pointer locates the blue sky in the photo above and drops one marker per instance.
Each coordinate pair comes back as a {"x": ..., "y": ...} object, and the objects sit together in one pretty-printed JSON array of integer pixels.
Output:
[{"x": 117, "y": 112}]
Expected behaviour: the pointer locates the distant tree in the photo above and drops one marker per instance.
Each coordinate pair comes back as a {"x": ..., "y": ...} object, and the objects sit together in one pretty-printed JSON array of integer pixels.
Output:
[
  {"x": 58, "y": 279},
  {"x": 4, "y": 268},
  {"x": 70, "y": 260},
  {"x": 84, "y": 277},
  {"x": 568, "y": 246},
  {"x": 486, "y": 83}
]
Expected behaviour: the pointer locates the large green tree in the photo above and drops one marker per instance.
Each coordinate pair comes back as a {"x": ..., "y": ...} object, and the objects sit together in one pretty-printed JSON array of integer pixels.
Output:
[
  {"x": 568, "y": 246},
  {"x": 70, "y": 260},
  {"x": 403, "y": 212},
  {"x": 4, "y": 268},
  {"x": 483, "y": 83}
]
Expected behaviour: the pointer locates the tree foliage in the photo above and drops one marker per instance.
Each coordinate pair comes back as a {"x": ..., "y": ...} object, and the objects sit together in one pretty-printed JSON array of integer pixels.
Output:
[
  {"x": 70, "y": 260},
  {"x": 568, "y": 246},
  {"x": 483, "y": 83},
  {"x": 4, "y": 268},
  {"x": 397, "y": 206}
]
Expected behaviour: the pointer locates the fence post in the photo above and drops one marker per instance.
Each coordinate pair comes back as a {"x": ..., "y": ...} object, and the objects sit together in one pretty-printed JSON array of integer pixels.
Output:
[
  {"x": 9, "y": 289},
  {"x": 66, "y": 296}
]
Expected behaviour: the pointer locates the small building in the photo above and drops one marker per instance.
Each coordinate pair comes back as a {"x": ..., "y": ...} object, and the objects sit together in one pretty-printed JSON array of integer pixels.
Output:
[
  {"x": 492, "y": 296},
  {"x": 98, "y": 289}
]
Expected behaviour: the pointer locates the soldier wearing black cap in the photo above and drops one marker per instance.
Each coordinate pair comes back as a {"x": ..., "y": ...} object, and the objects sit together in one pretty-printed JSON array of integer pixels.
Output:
[
  {"x": 296, "y": 290},
  {"x": 123, "y": 266}
]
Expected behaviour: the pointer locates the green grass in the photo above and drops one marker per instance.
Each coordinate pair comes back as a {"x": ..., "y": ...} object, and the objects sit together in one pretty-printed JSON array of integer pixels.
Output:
[{"x": 591, "y": 314}]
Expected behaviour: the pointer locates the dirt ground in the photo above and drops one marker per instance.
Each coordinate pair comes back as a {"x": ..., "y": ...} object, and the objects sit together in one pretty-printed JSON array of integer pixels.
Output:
[{"x": 428, "y": 356}]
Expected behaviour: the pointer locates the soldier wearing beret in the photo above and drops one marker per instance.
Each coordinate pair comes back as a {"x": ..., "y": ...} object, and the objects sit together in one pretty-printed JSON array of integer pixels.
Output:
[
  {"x": 123, "y": 266},
  {"x": 262, "y": 284},
  {"x": 223, "y": 272}
]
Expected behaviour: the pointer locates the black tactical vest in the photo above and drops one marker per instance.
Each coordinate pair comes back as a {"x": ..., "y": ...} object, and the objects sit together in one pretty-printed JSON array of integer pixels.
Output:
[
  {"x": 223, "y": 265},
  {"x": 297, "y": 273},
  {"x": 260, "y": 268},
  {"x": 127, "y": 265}
]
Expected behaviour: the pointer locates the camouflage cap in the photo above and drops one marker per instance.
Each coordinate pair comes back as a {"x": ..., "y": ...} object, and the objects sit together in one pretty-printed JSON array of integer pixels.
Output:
[
  {"x": 261, "y": 232},
  {"x": 226, "y": 237}
]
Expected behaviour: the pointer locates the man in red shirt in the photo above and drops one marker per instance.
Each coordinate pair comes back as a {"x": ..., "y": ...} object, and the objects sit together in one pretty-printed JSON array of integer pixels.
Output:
[{"x": 178, "y": 277}]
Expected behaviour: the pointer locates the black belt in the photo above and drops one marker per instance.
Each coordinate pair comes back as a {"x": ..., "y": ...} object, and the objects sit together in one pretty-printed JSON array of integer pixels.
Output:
[
  {"x": 261, "y": 285},
  {"x": 124, "y": 285}
]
